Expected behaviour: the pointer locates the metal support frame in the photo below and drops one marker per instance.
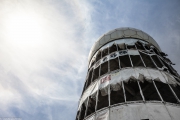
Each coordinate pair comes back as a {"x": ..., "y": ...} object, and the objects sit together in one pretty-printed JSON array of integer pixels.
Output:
[
  {"x": 157, "y": 91},
  {"x": 142, "y": 95},
  {"x": 118, "y": 58},
  {"x": 124, "y": 91}
]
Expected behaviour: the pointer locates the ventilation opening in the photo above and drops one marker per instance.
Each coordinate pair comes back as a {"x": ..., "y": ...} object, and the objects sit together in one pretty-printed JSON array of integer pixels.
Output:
[
  {"x": 113, "y": 48},
  {"x": 104, "y": 68},
  {"x": 91, "y": 105},
  {"x": 102, "y": 100},
  {"x": 96, "y": 73},
  {"x": 121, "y": 46},
  {"x": 125, "y": 61},
  {"x": 139, "y": 45},
  {"x": 117, "y": 95},
  {"x": 166, "y": 92},
  {"x": 98, "y": 56},
  {"x": 147, "y": 60},
  {"x": 176, "y": 89},
  {"x": 114, "y": 64},
  {"x": 131, "y": 47},
  {"x": 136, "y": 60},
  {"x": 149, "y": 91},
  {"x": 89, "y": 78},
  {"x": 82, "y": 113},
  {"x": 132, "y": 91},
  {"x": 104, "y": 52},
  {"x": 157, "y": 61}
]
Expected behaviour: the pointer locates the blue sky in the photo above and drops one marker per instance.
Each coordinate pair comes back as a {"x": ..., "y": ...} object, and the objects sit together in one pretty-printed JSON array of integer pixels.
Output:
[{"x": 44, "y": 47}]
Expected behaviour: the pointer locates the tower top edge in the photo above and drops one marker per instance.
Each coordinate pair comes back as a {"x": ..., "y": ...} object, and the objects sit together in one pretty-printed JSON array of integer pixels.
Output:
[{"x": 121, "y": 33}]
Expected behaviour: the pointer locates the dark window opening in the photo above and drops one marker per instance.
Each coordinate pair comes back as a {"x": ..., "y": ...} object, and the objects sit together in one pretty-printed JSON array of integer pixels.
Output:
[
  {"x": 131, "y": 47},
  {"x": 157, "y": 61},
  {"x": 166, "y": 92},
  {"x": 96, "y": 73},
  {"x": 176, "y": 89},
  {"x": 170, "y": 68},
  {"x": 102, "y": 101},
  {"x": 156, "y": 51},
  {"x": 91, "y": 105},
  {"x": 114, "y": 64},
  {"x": 136, "y": 60},
  {"x": 149, "y": 91},
  {"x": 125, "y": 61},
  {"x": 117, "y": 96},
  {"x": 92, "y": 63},
  {"x": 147, "y": 47},
  {"x": 139, "y": 45},
  {"x": 98, "y": 56},
  {"x": 113, "y": 48},
  {"x": 104, "y": 68},
  {"x": 132, "y": 91},
  {"x": 82, "y": 113},
  {"x": 147, "y": 60},
  {"x": 89, "y": 78},
  {"x": 104, "y": 52},
  {"x": 121, "y": 46}
]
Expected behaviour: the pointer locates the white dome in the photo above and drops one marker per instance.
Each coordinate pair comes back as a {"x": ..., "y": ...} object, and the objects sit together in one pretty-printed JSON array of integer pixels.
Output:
[{"x": 119, "y": 33}]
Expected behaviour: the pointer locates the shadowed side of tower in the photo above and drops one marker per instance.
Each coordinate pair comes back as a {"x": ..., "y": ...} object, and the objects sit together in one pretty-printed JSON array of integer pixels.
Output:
[{"x": 129, "y": 78}]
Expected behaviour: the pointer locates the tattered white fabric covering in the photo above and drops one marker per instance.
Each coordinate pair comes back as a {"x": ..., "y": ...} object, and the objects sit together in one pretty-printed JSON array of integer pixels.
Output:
[
  {"x": 139, "y": 111},
  {"x": 114, "y": 80},
  {"x": 133, "y": 52},
  {"x": 103, "y": 115}
]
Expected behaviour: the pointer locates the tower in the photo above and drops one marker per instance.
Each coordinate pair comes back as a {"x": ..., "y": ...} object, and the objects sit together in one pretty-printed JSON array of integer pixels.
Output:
[{"x": 129, "y": 78}]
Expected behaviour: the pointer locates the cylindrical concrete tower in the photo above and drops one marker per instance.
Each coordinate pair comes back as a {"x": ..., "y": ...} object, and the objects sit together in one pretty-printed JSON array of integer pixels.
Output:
[{"x": 129, "y": 78}]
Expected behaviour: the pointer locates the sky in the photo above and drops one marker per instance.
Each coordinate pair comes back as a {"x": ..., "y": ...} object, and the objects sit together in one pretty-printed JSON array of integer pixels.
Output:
[{"x": 44, "y": 47}]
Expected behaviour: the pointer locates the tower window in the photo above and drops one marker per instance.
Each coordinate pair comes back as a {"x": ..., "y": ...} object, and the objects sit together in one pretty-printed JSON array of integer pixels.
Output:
[
  {"x": 117, "y": 96},
  {"x": 131, "y": 47},
  {"x": 104, "y": 68},
  {"x": 105, "y": 52},
  {"x": 91, "y": 105},
  {"x": 166, "y": 92},
  {"x": 121, "y": 46},
  {"x": 149, "y": 91},
  {"x": 132, "y": 91},
  {"x": 136, "y": 60},
  {"x": 139, "y": 45},
  {"x": 98, "y": 56},
  {"x": 96, "y": 73},
  {"x": 102, "y": 101},
  {"x": 147, "y": 60},
  {"x": 114, "y": 64},
  {"x": 125, "y": 61},
  {"x": 113, "y": 48}
]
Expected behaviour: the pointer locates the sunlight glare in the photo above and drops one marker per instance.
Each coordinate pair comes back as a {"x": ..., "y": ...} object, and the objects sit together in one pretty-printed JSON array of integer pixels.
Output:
[{"x": 24, "y": 29}]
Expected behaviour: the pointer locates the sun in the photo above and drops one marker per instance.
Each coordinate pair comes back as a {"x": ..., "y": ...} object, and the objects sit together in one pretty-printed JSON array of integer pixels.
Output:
[{"x": 24, "y": 29}]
